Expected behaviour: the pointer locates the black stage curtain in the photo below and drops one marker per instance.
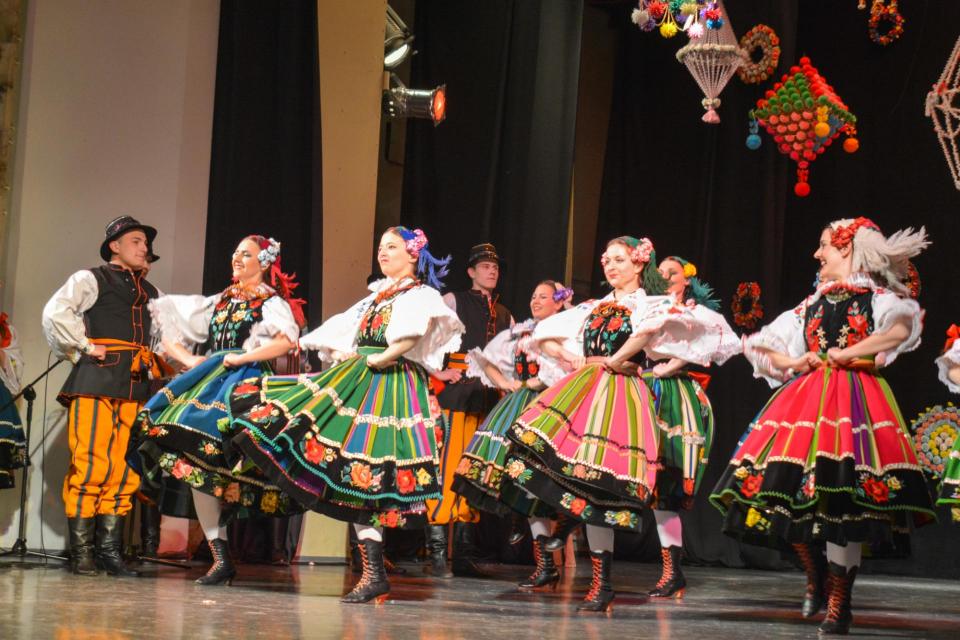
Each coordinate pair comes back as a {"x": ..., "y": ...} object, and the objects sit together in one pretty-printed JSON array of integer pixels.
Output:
[
  {"x": 498, "y": 170},
  {"x": 698, "y": 192},
  {"x": 265, "y": 164}
]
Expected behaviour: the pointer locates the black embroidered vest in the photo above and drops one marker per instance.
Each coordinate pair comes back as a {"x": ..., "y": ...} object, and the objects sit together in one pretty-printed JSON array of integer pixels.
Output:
[
  {"x": 840, "y": 318},
  {"x": 120, "y": 312}
]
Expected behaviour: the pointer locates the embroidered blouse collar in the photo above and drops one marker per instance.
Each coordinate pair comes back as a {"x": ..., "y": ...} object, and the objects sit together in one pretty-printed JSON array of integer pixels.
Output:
[{"x": 385, "y": 283}]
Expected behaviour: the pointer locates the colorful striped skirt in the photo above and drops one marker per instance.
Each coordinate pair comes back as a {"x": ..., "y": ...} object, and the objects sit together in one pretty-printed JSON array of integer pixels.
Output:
[
  {"x": 479, "y": 476},
  {"x": 829, "y": 457},
  {"x": 587, "y": 447},
  {"x": 181, "y": 431},
  {"x": 353, "y": 442},
  {"x": 686, "y": 434},
  {"x": 13, "y": 445}
]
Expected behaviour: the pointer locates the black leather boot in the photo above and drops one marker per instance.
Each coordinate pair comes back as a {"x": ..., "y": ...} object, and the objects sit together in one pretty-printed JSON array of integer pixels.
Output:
[
  {"x": 437, "y": 547},
  {"x": 278, "y": 542},
  {"x": 546, "y": 574},
  {"x": 222, "y": 570},
  {"x": 672, "y": 583},
  {"x": 518, "y": 529},
  {"x": 565, "y": 526},
  {"x": 839, "y": 610},
  {"x": 110, "y": 546},
  {"x": 600, "y": 596},
  {"x": 464, "y": 563},
  {"x": 82, "y": 535},
  {"x": 815, "y": 566},
  {"x": 149, "y": 530},
  {"x": 373, "y": 581}
]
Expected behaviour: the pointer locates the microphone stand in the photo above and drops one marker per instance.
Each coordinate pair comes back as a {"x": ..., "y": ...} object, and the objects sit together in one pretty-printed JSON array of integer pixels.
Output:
[{"x": 19, "y": 547}]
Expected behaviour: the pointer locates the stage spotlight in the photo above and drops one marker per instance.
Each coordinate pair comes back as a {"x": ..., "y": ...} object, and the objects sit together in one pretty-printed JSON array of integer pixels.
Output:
[
  {"x": 399, "y": 101},
  {"x": 397, "y": 41}
]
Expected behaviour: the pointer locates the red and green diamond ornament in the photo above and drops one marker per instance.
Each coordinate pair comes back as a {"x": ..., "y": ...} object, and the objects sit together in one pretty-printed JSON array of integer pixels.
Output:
[{"x": 804, "y": 115}]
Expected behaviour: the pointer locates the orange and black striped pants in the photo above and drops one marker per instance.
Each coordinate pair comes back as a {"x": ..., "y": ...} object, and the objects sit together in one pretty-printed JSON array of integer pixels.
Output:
[
  {"x": 99, "y": 481},
  {"x": 452, "y": 507}
]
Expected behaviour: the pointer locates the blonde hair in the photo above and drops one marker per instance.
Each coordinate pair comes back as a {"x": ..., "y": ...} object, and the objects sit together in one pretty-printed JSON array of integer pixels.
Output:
[{"x": 886, "y": 258}]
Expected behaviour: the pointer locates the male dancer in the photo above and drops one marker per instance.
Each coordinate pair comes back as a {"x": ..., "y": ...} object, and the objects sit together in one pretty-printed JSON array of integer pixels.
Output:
[
  {"x": 465, "y": 402},
  {"x": 100, "y": 322}
]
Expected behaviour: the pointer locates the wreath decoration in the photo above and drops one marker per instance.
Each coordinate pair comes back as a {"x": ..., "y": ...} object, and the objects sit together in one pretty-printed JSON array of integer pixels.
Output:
[
  {"x": 763, "y": 37},
  {"x": 936, "y": 433},
  {"x": 747, "y": 310},
  {"x": 888, "y": 16}
]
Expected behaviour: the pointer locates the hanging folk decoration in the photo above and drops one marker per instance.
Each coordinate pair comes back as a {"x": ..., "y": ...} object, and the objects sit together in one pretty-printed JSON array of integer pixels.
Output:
[
  {"x": 764, "y": 38},
  {"x": 934, "y": 433},
  {"x": 713, "y": 59},
  {"x": 690, "y": 16},
  {"x": 746, "y": 307},
  {"x": 946, "y": 116},
  {"x": 885, "y": 23},
  {"x": 804, "y": 115}
]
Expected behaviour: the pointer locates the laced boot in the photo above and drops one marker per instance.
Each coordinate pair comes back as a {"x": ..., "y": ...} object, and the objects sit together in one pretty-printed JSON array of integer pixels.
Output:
[
  {"x": 373, "y": 580},
  {"x": 110, "y": 545},
  {"x": 565, "y": 526},
  {"x": 815, "y": 566},
  {"x": 672, "y": 583},
  {"x": 600, "y": 596},
  {"x": 546, "y": 574},
  {"x": 82, "y": 534},
  {"x": 839, "y": 612},
  {"x": 222, "y": 570}
]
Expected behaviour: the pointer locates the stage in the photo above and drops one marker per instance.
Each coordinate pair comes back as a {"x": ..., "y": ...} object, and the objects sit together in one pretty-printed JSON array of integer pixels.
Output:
[{"x": 303, "y": 602}]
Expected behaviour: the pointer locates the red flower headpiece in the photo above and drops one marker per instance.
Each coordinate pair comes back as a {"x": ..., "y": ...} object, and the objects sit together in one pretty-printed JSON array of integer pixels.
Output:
[
  {"x": 952, "y": 334},
  {"x": 282, "y": 282},
  {"x": 6, "y": 336},
  {"x": 842, "y": 236}
]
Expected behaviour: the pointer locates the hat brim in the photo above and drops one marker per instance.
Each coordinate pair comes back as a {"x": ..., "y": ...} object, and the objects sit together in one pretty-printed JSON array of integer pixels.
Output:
[
  {"x": 490, "y": 257},
  {"x": 149, "y": 231}
]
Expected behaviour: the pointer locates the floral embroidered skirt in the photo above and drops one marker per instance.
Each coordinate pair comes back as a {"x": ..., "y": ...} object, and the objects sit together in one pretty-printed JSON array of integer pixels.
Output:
[
  {"x": 13, "y": 446},
  {"x": 353, "y": 442},
  {"x": 829, "y": 457},
  {"x": 181, "y": 431},
  {"x": 950, "y": 482},
  {"x": 479, "y": 476},
  {"x": 587, "y": 447},
  {"x": 685, "y": 420}
]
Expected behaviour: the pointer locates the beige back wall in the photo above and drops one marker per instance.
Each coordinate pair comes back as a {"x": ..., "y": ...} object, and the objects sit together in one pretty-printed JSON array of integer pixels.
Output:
[{"x": 115, "y": 117}]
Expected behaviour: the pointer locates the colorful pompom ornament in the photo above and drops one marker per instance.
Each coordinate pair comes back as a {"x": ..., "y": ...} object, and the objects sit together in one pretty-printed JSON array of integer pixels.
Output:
[
  {"x": 803, "y": 101},
  {"x": 675, "y": 16},
  {"x": 850, "y": 145},
  {"x": 753, "y": 142}
]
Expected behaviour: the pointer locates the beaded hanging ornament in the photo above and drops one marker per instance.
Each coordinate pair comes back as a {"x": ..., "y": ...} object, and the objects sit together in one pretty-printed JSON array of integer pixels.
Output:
[
  {"x": 934, "y": 433},
  {"x": 713, "y": 59},
  {"x": 670, "y": 18},
  {"x": 945, "y": 115},
  {"x": 885, "y": 23},
  {"x": 804, "y": 115}
]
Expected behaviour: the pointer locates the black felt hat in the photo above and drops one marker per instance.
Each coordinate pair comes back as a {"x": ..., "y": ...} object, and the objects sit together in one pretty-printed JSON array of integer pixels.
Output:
[
  {"x": 118, "y": 227},
  {"x": 483, "y": 252}
]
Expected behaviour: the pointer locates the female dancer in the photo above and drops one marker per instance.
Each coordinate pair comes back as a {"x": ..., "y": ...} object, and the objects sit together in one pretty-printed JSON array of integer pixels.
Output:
[
  {"x": 829, "y": 456},
  {"x": 358, "y": 442},
  {"x": 512, "y": 363},
  {"x": 684, "y": 413},
  {"x": 588, "y": 445},
  {"x": 949, "y": 367},
  {"x": 13, "y": 446},
  {"x": 181, "y": 429}
]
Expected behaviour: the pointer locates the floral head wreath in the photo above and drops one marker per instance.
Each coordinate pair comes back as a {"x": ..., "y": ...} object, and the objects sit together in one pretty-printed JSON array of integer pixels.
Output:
[
  {"x": 842, "y": 236},
  {"x": 562, "y": 293},
  {"x": 269, "y": 258},
  {"x": 698, "y": 290},
  {"x": 431, "y": 269}
]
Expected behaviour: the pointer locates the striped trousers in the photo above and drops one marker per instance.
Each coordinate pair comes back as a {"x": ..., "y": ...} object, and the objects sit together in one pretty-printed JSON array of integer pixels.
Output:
[
  {"x": 99, "y": 481},
  {"x": 452, "y": 507}
]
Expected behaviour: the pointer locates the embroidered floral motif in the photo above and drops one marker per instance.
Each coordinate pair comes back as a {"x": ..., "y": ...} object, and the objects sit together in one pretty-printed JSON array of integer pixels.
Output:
[
  {"x": 750, "y": 485},
  {"x": 208, "y": 449},
  {"x": 577, "y": 506},
  {"x": 406, "y": 483},
  {"x": 362, "y": 476},
  {"x": 638, "y": 490},
  {"x": 518, "y": 471},
  {"x": 755, "y": 520},
  {"x": 879, "y": 490},
  {"x": 530, "y": 438},
  {"x": 232, "y": 320},
  {"x": 388, "y": 519},
  {"x": 608, "y": 328},
  {"x": 423, "y": 477},
  {"x": 154, "y": 431},
  {"x": 621, "y": 518},
  {"x": 314, "y": 451},
  {"x": 269, "y": 501},
  {"x": 580, "y": 471}
]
